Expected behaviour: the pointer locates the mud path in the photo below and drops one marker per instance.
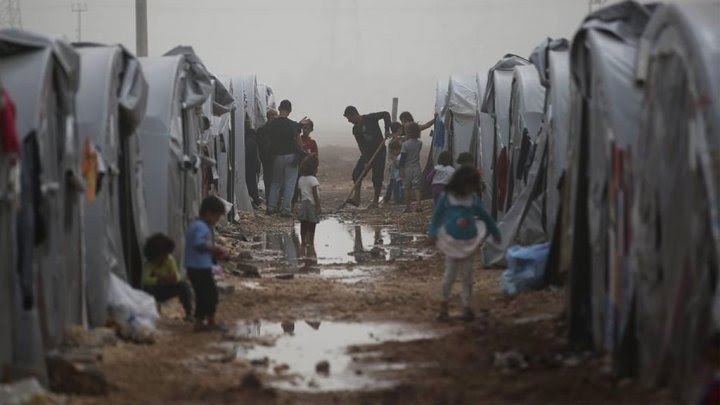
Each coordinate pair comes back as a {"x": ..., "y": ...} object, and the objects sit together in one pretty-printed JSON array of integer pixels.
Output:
[{"x": 357, "y": 325}]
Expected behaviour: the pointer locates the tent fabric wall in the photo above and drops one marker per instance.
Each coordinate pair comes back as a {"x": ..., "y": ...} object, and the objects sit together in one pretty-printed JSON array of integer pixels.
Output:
[
  {"x": 527, "y": 103},
  {"x": 486, "y": 134},
  {"x": 553, "y": 63},
  {"x": 107, "y": 118},
  {"x": 460, "y": 115},
  {"x": 243, "y": 90},
  {"x": 605, "y": 117},
  {"x": 9, "y": 198},
  {"x": 677, "y": 168},
  {"x": 41, "y": 75},
  {"x": 162, "y": 147},
  {"x": 496, "y": 103}
]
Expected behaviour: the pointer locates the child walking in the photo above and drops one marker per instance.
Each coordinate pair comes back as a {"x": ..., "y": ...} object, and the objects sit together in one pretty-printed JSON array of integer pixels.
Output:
[
  {"x": 199, "y": 253},
  {"x": 458, "y": 226},
  {"x": 410, "y": 164},
  {"x": 309, "y": 214},
  {"x": 161, "y": 277},
  {"x": 440, "y": 175}
]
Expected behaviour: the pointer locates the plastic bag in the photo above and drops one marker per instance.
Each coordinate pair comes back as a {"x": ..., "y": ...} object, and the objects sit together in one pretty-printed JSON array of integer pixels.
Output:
[
  {"x": 526, "y": 268},
  {"x": 134, "y": 312},
  {"x": 27, "y": 391}
]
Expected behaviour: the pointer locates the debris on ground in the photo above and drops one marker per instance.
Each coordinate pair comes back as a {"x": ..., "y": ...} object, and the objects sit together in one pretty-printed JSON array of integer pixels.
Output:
[
  {"x": 77, "y": 372},
  {"x": 323, "y": 367},
  {"x": 26, "y": 391},
  {"x": 251, "y": 381},
  {"x": 510, "y": 360}
]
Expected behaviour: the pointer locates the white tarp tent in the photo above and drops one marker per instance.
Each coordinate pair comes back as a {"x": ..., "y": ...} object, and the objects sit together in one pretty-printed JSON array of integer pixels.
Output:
[
  {"x": 486, "y": 132},
  {"x": 460, "y": 115}
]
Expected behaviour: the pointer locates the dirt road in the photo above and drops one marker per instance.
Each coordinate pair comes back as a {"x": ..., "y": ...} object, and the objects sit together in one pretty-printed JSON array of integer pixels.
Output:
[{"x": 359, "y": 326}]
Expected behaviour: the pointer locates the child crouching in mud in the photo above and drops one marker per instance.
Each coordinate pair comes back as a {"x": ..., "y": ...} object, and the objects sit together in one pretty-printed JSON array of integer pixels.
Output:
[
  {"x": 199, "y": 252},
  {"x": 458, "y": 227}
]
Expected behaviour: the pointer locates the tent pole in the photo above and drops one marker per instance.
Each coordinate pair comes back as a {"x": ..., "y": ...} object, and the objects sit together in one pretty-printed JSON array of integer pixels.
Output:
[{"x": 141, "y": 22}]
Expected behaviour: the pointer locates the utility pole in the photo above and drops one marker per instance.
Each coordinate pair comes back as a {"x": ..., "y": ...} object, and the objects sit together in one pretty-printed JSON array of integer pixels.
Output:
[
  {"x": 394, "y": 109},
  {"x": 141, "y": 23},
  {"x": 79, "y": 8},
  {"x": 10, "y": 14}
]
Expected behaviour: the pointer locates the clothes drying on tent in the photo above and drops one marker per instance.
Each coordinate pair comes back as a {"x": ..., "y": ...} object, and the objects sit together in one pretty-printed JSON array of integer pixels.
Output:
[
  {"x": 605, "y": 115},
  {"x": 676, "y": 170},
  {"x": 496, "y": 103},
  {"x": 41, "y": 76},
  {"x": 111, "y": 103}
]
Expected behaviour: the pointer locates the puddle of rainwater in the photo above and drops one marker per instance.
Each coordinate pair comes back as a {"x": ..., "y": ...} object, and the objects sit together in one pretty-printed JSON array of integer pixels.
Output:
[
  {"x": 337, "y": 242},
  {"x": 349, "y": 275},
  {"x": 302, "y": 345}
]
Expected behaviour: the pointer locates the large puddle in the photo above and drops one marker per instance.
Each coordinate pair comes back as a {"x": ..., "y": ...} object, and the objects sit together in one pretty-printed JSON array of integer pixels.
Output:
[
  {"x": 323, "y": 356},
  {"x": 338, "y": 242}
]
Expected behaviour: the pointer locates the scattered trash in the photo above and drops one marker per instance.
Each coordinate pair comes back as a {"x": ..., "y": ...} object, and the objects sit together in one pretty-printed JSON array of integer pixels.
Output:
[
  {"x": 533, "y": 319},
  {"x": 512, "y": 360},
  {"x": 27, "y": 391},
  {"x": 77, "y": 336},
  {"x": 134, "y": 312},
  {"x": 224, "y": 287},
  {"x": 526, "y": 268}
]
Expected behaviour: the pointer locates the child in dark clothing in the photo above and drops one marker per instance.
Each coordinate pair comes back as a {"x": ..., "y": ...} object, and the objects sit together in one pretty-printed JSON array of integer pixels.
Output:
[{"x": 199, "y": 253}]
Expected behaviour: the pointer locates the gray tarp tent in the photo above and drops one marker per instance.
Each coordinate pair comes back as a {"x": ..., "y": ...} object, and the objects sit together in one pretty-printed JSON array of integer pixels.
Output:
[
  {"x": 676, "y": 218},
  {"x": 552, "y": 61},
  {"x": 216, "y": 109},
  {"x": 522, "y": 222},
  {"x": 496, "y": 102},
  {"x": 41, "y": 75},
  {"x": 111, "y": 103},
  {"x": 169, "y": 132},
  {"x": 604, "y": 126}
]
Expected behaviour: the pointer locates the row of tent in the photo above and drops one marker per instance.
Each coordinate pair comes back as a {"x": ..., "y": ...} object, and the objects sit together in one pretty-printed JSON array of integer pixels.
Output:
[
  {"x": 608, "y": 146},
  {"x": 113, "y": 148}
]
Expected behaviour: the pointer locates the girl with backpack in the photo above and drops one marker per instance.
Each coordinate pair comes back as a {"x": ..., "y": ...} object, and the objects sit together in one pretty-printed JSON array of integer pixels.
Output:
[{"x": 458, "y": 227}]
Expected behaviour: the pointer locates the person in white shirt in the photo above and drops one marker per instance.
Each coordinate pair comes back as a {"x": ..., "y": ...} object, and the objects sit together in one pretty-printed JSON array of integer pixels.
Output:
[
  {"x": 309, "y": 213},
  {"x": 441, "y": 174}
]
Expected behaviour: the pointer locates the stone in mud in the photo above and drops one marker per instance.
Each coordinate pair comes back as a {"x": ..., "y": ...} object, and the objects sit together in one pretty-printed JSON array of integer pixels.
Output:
[
  {"x": 77, "y": 336},
  {"x": 281, "y": 368},
  {"x": 67, "y": 376},
  {"x": 288, "y": 276},
  {"x": 323, "y": 367},
  {"x": 244, "y": 255},
  {"x": 263, "y": 362},
  {"x": 251, "y": 381},
  {"x": 248, "y": 270},
  {"x": 225, "y": 287}
]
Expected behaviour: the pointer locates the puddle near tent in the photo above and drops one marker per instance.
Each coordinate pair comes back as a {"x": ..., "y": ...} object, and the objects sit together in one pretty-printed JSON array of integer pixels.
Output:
[
  {"x": 337, "y": 242},
  {"x": 296, "y": 348}
]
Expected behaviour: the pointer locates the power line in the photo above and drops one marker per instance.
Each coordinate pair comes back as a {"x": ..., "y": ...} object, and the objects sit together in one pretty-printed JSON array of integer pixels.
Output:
[
  {"x": 10, "y": 14},
  {"x": 79, "y": 8}
]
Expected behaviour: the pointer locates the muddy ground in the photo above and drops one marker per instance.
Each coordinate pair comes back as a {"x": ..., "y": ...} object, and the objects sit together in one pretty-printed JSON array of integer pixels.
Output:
[{"x": 370, "y": 316}]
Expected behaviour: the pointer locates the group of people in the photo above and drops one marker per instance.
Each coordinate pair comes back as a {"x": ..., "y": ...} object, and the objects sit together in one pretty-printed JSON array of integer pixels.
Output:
[{"x": 289, "y": 159}]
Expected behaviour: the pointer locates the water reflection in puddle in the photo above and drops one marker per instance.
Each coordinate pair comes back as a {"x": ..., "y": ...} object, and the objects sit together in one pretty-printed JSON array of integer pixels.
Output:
[
  {"x": 337, "y": 242},
  {"x": 299, "y": 347}
]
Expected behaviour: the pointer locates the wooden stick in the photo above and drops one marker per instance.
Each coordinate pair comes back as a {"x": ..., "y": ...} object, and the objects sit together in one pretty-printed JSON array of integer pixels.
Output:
[{"x": 364, "y": 173}]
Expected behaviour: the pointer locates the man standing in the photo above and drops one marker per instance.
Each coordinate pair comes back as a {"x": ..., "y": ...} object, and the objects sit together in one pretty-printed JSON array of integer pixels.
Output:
[
  {"x": 265, "y": 157},
  {"x": 369, "y": 137},
  {"x": 252, "y": 163},
  {"x": 283, "y": 140}
]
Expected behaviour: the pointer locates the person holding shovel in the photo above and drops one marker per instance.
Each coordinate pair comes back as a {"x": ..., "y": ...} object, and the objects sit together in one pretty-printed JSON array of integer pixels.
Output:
[{"x": 371, "y": 143}]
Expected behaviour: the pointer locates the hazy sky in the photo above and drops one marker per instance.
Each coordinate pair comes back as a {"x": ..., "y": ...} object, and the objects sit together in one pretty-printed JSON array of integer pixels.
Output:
[{"x": 325, "y": 54}]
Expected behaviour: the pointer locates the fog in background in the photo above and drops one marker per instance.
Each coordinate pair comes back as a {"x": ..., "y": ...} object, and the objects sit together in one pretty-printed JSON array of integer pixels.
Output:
[{"x": 326, "y": 54}]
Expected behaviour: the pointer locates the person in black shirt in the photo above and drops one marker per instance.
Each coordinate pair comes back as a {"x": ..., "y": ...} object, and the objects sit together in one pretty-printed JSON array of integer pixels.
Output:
[
  {"x": 264, "y": 152},
  {"x": 369, "y": 137},
  {"x": 283, "y": 140}
]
